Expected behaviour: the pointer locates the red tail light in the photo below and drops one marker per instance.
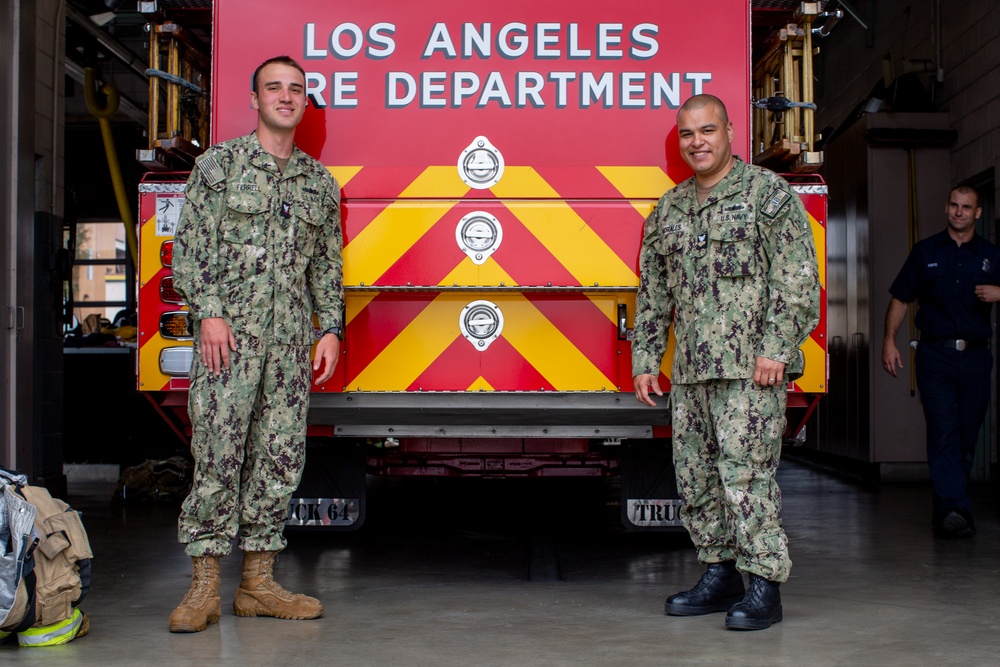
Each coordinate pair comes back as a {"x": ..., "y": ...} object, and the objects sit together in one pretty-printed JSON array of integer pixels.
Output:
[
  {"x": 167, "y": 292},
  {"x": 167, "y": 253}
]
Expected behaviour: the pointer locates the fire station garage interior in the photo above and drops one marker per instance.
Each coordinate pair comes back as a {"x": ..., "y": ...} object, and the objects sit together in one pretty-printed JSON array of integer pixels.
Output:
[{"x": 436, "y": 531}]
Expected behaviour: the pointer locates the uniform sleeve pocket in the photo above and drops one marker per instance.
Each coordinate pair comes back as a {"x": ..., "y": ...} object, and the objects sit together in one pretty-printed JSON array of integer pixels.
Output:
[{"x": 733, "y": 250}]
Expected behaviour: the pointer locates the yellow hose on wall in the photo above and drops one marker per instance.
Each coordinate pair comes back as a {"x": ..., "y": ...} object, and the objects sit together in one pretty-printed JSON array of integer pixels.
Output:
[{"x": 103, "y": 114}]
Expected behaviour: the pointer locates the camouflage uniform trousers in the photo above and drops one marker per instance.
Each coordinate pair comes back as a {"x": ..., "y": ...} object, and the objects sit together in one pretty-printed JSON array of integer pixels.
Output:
[
  {"x": 248, "y": 440},
  {"x": 727, "y": 443}
]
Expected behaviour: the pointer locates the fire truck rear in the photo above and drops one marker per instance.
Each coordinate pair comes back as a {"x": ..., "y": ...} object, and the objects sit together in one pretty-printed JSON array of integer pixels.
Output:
[{"x": 497, "y": 162}]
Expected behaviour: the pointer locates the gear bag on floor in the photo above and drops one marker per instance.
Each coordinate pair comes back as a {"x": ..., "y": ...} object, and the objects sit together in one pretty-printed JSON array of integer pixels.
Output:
[{"x": 44, "y": 565}]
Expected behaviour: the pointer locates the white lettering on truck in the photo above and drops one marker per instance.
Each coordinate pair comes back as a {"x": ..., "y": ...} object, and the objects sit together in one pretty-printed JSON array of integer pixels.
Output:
[{"x": 534, "y": 87}]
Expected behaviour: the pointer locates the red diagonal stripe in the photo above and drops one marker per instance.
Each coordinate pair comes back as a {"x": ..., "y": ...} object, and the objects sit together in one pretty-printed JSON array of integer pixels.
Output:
[
  {"x": 815, "y": 206},
  {"x": 356, "y": 215},
  {"x": 380, "y": 182},
  {"x": 454, "y": 370},
  {"x": 580, "y": 181},
  {"x": 380, "y": 322},
  {"x": 618, "y": 224},
  {"x": 526, "y": 260},
  {"x": 583, "y": 324},
  {"x": 153, "y": 307},
  {"x": 505, "y": 369},
  {"x": 430, "y": 259}
]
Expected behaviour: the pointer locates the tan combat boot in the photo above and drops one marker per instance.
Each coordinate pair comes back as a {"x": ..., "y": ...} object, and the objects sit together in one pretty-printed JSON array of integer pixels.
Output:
[
  {"x": 260, "y": 595},
  {"x": 202, "y": 604}
]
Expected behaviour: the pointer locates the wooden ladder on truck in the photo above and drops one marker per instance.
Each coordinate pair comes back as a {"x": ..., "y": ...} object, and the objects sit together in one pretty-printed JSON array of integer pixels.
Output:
[
  {"x": 179, "y": 86},
  {"x": 784, "y": 132}
]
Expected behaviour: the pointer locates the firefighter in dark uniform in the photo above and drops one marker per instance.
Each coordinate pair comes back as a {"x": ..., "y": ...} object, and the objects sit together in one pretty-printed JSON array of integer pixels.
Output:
[{"x": 954, "y": 277}]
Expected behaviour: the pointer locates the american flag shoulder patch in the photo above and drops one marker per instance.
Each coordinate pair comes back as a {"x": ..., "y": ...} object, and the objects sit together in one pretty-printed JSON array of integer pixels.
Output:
[
  {"x": 775, "y": 201},
  {"x": 211, "y": 171}
]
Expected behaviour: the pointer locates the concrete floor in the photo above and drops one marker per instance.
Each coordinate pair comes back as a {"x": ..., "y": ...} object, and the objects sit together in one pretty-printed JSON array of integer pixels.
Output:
[{"x": 538, "y": 574}]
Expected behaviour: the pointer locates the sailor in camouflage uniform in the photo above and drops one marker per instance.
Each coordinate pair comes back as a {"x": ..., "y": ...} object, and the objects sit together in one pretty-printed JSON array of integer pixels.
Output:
[
  {"x": 257, "y": 251},
  {"x": 728, "y": 257}
]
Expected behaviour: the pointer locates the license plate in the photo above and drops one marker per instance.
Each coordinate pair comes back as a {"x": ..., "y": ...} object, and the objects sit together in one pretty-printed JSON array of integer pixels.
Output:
[
  {"x": 322, "y": 512},
  {"x": 654, "y": 512}
]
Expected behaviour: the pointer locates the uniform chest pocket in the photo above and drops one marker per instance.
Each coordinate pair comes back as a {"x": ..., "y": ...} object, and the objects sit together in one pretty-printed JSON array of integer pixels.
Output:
[
  {"x": 672, "y": 249},
  {"x": 734, "y": 250},
  {"x": 938, "y": 280},
  {"x": 245, "y": 222},
  {"x": 309, "y": 220}
]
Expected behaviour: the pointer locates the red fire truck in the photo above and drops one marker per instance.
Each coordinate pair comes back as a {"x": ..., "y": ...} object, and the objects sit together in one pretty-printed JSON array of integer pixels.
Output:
[{"x": 497, "y": 161}]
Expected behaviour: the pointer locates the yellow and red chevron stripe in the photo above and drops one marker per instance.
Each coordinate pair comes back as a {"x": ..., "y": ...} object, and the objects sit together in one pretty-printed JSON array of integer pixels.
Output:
[
  {"x": 563, "y": 269},
  {"x": 151, "y": 273},
  {"x": 814, "y": 380},
  {"x": 560, "y": 275}
]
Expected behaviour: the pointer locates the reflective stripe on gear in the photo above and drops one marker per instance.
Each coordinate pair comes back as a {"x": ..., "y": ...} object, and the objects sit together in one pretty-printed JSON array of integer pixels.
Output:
[{"x": 62, "y": 632}]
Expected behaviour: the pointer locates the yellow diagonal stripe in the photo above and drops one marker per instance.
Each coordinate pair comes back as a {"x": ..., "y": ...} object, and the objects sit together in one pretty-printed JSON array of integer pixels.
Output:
[
  {"x": 813, "y": 381},
  {"x": 437, "y": 182},
  {"x": 638, "y": 182},
  {"x": 149, "y": 251},
  {"x": 489, "y": 274},
  {"x": 480, "y": 384},
  {"x": 562, "y": 231},
  {"x": 343, "y": 174},
  {"x": 523, "y": 182},
  {"x": 819, "y": 236},
  {"x": 548, "y": 350},
  {"x": 574, "y": 244},
  {"x": 355, "y": 303},
  {"x": 386, "y": 238},
  {"x": 414, "y": 349},
  {"x": 465, "y": 273},
  {"x": 667, "y": 365},
  {"x": 643, "y": 207}
]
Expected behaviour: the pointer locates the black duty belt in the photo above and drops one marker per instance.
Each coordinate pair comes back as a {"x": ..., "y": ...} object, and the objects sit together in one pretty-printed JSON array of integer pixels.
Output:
[{"x": 957, "y": 343}]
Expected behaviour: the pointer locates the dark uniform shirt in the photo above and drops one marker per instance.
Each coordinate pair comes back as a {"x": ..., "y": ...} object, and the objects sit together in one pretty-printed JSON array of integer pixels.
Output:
[{"x": 942, "y": 276}]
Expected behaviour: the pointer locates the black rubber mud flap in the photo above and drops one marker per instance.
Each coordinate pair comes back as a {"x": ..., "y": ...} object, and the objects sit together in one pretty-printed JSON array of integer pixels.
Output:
[
  {"x": 649, "y": 489},
  {"x": 331, "y": 495}
]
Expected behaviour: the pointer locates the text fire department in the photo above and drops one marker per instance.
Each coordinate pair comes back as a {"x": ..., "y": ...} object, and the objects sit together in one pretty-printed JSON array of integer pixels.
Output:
[{"x": 438, "y": 88}]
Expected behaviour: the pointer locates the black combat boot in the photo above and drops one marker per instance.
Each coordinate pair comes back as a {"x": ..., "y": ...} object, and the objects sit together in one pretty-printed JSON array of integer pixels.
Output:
[
  {"x": 718, "y": 589},
  {"x": 760, "y": 609}
]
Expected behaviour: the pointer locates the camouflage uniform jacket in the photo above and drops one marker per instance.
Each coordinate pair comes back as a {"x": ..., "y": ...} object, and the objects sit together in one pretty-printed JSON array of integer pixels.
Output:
[
  {"x": 736, "y": 275},
  {"x": 254, "y": 244}
]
